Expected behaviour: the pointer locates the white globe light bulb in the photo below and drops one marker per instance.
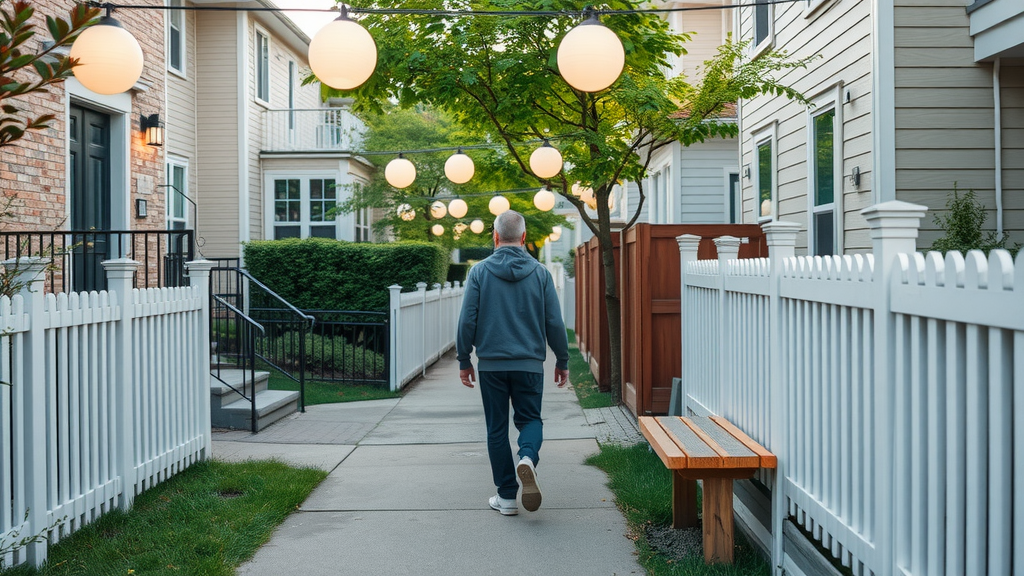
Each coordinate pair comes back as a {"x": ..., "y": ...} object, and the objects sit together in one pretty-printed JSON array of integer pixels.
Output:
[
  {"x": 459, "y": 168},
  {"x": 342, "y": 54},
  {"x": 405, "y": 212},
  {"x": 437, "y": 229},
  {"x": 544, "y": 200},
  {"x": 590, "y": 56},
  {"x": 546, "y": 161},
  {"x": 477, "y": 226},
  {"x": 556, "y": 233},
  {"x": 458, "y": 208},
  {"x": 498, "y": 204},
  {"x": 438, "y": 210},
  {"x": 109, "y": 58},
  {"x": 400, "y": 172}
]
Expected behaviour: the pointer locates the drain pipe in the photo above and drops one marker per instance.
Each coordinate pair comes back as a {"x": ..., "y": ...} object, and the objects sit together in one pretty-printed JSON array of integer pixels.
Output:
[{"x": 997, "y": 105}]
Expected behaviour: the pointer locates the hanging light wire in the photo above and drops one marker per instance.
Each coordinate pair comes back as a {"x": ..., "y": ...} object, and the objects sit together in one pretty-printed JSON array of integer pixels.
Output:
[{"x": 433, "y": 12}]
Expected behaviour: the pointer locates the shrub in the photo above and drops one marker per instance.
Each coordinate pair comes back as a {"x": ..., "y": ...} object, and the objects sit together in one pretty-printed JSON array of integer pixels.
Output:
[
  {"x": 962, "y": 224},
  {"x": 458, "y": 272},
  {"x": 322, "y": 274}
]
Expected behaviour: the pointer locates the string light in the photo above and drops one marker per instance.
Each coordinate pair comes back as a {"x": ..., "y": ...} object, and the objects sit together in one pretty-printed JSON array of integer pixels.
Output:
[
  {"x": 546, "y": 161},
  {"x": 591, "y": 57},
  {"x": 343, "y": 54},
  {"x": 438, "y": 210},
  {"x": 400, "y": 172},
  {"x": 544, "y": 200},
  {"x": 437, "y": 229},
  {"x": 458, "y": 208},
  {"x": 109, "y": 58},
  {"x": 459, "y": 168},
  {"x": 477, "y": 226},
  {"x": 498, "y": 205},
  {"x": 405, "y": 212}
]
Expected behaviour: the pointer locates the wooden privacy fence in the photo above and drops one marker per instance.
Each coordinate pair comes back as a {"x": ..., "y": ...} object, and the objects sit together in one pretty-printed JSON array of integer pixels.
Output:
[
  {"x": 885, "y": 383},
  {"x": 108, "y": 395},
  {"x": 423, "y": 327},
  {"x": 648, "y": 273}
]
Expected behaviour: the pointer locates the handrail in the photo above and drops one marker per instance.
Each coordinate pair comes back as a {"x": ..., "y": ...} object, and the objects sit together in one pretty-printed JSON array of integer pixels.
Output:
[
  {"x": 240, "y": 313},
  {"x": 244, "y": 272}
]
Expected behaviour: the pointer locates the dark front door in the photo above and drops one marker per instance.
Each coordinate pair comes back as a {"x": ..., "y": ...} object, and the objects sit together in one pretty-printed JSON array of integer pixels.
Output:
[{"x": 89, "y": 184}]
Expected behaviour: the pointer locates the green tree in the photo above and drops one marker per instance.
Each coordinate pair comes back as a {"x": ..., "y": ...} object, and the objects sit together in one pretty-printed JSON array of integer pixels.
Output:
[
  {"x": 498, "y": 75},
  {"x": 424, "y": 128}
]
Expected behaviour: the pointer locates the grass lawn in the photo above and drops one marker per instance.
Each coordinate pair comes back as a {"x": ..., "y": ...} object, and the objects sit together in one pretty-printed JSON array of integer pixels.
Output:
[
  {"x": 205, "y": 521},
  {"x": 582, "y": 381},
  {"x": 643, "y": 491},
  {"x": 318, "y": 392}
]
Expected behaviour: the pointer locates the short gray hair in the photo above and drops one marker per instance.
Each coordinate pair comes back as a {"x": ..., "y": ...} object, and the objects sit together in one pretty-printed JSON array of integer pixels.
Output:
[{"x": 510, "y": 226}]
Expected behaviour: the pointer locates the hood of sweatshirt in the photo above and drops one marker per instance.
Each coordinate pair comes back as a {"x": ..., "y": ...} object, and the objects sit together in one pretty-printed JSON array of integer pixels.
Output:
[{"x": 510, "y": 263}]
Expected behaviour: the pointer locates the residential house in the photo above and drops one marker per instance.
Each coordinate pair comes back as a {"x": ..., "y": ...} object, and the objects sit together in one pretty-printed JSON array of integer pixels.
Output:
[
  {"x": 258, "y": 153},
  {"x": 910, "y": 98}
]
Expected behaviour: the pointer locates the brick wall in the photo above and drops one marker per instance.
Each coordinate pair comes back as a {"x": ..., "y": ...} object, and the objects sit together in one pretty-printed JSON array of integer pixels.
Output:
[{"x": 34, "y": 168}]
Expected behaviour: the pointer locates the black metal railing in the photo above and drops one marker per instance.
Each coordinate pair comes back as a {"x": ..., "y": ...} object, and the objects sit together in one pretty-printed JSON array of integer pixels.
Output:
[
  {"x": 225, "y": 281},
  {"x": 348, "y": 346},
  {"x": 234, "y": 337},
  {"x": 77, "y": 255}
]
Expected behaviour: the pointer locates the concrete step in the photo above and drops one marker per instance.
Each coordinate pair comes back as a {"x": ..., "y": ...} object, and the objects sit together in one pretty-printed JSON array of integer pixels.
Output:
[
  {"x": 271, "y": 406},
  {"x": 221, "y": 394}
]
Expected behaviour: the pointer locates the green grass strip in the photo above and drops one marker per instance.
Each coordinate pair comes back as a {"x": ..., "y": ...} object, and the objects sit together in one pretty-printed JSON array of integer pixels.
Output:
[
  {"x": 583, "y": 381},
  {"x": 205, "y": 521},
  {"x": 643, "y": 491},
  {"x": 320, "y": 392}
]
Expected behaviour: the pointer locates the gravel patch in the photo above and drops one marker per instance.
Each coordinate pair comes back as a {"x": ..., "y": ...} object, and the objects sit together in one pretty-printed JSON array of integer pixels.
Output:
[{"x": 676, "y": 544}]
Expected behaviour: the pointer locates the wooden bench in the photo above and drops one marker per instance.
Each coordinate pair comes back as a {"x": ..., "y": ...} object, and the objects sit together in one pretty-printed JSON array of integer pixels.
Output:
[{"x": 712, "y": 450}]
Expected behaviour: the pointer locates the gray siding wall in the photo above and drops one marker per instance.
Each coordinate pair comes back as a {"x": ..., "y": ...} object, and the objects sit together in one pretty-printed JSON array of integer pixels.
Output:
[
  {"x": 945, "y": 117},
  {"x": 703, "y": 182}
]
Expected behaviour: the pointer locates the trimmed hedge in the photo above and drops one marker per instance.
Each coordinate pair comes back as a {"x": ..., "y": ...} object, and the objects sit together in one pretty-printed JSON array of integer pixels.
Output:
[
  {"x": 323, "y": 274},
  {"x": 458, "y": 272}
]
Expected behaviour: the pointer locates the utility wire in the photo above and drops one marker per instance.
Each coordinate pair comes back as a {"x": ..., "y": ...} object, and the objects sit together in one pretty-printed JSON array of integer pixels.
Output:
[{"x": 430, "y": 12}]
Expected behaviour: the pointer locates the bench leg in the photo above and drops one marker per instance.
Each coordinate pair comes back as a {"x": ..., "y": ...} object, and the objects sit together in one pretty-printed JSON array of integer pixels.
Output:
[
  {"x": 684, "y": 501},
  {"x": 718, "y": 536}
]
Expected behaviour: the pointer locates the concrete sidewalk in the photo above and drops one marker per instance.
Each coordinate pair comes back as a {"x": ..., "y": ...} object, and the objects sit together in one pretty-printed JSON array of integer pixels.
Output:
[{"x": 409, "y": 482}]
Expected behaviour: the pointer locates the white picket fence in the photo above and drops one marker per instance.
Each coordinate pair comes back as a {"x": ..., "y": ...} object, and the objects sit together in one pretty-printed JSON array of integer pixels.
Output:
[
  {"x": 423, "y": 327},
  {"x": 107, "y": 395},
  {"x": 885, "y": 383}
]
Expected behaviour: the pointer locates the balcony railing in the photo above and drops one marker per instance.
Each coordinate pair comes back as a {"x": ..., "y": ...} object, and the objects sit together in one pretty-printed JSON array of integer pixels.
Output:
[{"x": 311, "y": 130}]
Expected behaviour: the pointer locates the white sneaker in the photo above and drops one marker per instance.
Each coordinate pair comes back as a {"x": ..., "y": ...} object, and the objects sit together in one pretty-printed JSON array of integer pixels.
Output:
[
  {"x": 503, "y": 505},
  {"x": 527, "y": 476}
]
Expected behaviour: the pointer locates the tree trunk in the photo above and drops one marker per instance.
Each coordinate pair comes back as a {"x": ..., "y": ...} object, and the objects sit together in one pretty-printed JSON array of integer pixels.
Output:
[{"x": 611, "y": 294}]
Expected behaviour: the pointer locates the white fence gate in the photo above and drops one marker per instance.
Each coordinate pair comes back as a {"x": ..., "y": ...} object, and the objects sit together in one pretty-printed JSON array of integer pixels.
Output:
[
  {"x": 107, "y": 393},
  {"x": 885, "y": 383},
  {"x": 423, "y": 327}
]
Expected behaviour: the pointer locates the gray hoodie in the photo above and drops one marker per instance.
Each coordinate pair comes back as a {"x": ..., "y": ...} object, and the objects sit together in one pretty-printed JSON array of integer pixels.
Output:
[{"x": 509, "y": 312}]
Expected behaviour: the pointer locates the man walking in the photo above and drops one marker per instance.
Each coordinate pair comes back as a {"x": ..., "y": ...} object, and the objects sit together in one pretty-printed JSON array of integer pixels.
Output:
[{"x": 510, "y": 314}]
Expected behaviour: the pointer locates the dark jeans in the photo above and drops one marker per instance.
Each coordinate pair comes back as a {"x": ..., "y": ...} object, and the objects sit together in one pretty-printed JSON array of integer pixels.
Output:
[{"x": 525, "y": 390}]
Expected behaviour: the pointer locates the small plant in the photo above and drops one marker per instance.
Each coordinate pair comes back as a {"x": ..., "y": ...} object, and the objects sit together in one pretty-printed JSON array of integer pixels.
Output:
[
  {"x": 14, "y": 541},
  {"x": 963, "y": 226}
]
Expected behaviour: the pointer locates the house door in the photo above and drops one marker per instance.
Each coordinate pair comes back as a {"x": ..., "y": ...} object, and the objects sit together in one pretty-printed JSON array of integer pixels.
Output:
[{"x": 89, "y": 187}]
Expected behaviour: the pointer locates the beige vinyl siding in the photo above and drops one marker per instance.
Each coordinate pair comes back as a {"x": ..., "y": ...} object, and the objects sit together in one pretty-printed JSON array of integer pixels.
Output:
[
  {"x": 703, "y": 181},
  {"x": 180, "y": 124},
  {"x": 217, "y": 132},
  {"x": 1012, "y": 81},
  {"x": 708, "y": 29},
  {"x": 305, "y": 97},
  {"x": 839, "y": 31},
  {"x": 945, "y": 114}
]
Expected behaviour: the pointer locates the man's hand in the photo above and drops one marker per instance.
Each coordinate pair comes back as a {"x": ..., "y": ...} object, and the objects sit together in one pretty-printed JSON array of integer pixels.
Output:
[
  {"x": 561, "y": 377},
  {"x": 468, "y": 376}
]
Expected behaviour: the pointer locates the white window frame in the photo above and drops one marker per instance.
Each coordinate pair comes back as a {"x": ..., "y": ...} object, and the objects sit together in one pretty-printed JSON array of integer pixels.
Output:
[
  {"x": 362, "y": 225},
  {"x": 767, "y": 134},
  {"x": 729, "y": 202},
  {"x": 757, "y": 48},
  {"x": 261, "y": 33},
  {"x": 828, "y": 101},
  {"x": 182, "y": 43},
  {"x": 304, "y": 201},
  {"x": 172, "y": 163},
  {"x": 812, "y": 7},
  {"x": 292, "y": 85}
]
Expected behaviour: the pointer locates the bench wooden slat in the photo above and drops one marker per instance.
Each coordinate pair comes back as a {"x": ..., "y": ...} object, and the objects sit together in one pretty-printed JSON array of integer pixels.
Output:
[
  {"x": 663, "y": 444},
  {"x": 768, "y": 460},
  {"x": 698, "y": 453},
  {"x": 734, "y": 453}
]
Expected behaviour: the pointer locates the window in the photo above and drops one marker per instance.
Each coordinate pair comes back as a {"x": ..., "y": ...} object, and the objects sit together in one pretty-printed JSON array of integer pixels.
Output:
[
  {"x": 363, "y": 225},
  {"x": 291, "y": 95},
  {"x": 825, "y": 174},
  {"x": 733, "y": 198},
  {"x": 303, "y": 207},
  {"x": 764, "y": 27},
  {"x": 176, "y": 37},
  {"x": 262, "y": 67},
  {"x": 765, "y": 180},
  {"x": 177, "y": 193}
]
